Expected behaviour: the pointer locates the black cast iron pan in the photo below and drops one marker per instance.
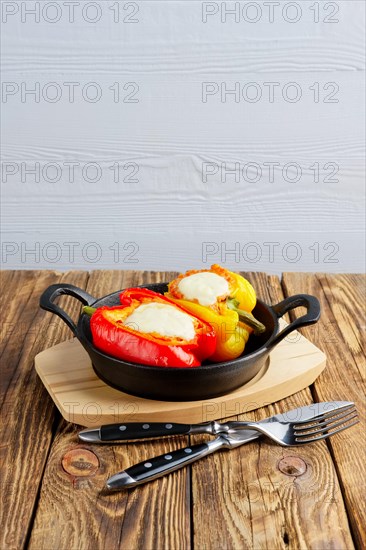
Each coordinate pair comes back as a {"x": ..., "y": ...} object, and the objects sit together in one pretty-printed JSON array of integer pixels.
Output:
[{"x": 182, "y": 384}]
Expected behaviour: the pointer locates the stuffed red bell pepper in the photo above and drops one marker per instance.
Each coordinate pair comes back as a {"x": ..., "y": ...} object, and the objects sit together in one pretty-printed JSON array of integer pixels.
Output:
[{"x": 150, "y": 329}]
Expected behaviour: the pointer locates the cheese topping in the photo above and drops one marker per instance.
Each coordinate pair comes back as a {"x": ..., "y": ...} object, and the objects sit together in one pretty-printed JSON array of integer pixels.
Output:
[
  {"x": 204, "y": 287},
  {"x": 163, "y": 319}
]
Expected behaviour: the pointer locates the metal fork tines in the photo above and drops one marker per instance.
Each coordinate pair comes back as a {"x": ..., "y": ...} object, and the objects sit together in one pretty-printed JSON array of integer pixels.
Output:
[
  {"x": 326, "y": 414},
  {"x": 331, "y": 425},
  {"x": 301, "y": 432},
  {"x": 280, "y": 420}
]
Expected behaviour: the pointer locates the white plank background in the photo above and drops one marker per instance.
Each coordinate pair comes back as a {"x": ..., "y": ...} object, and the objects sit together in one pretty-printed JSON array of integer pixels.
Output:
[{"x": 157, "y": 210}]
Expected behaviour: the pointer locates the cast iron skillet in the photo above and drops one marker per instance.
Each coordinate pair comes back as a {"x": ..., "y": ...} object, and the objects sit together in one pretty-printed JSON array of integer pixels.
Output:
[{"x": 182, "y": 384}]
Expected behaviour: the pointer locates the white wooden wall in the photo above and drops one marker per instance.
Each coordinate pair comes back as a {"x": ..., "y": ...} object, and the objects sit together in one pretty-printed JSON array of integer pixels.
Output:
[{"x": 131, "y": 152}]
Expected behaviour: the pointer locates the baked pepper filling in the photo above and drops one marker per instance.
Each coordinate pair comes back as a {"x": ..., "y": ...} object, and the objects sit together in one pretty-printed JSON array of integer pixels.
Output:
[
  {"x": 163, "y": 319},
  {"x": 205, "y": 287}
]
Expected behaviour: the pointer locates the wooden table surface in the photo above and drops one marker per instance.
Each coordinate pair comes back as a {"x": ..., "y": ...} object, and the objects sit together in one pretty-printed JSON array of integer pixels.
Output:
[{"x": 257, "y": 496}]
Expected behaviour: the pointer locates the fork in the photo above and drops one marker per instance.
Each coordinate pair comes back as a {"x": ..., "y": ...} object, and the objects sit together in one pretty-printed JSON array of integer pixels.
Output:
[
  {"x": 306, "y": 431},
  {"x": 284, "y": 433},
  {"x": 128, "y": 431}
]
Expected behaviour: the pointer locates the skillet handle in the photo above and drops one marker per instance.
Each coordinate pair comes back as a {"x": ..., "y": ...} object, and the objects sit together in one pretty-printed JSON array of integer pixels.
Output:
[
  {"x": 48, "y": 297},
  {"x": 311, "y": 316}
]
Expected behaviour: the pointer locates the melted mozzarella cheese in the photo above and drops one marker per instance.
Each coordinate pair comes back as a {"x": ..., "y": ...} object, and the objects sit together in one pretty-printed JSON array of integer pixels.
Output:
[
  {"x": 164, "y": 319},
  {"x": 204, "y": 287}
]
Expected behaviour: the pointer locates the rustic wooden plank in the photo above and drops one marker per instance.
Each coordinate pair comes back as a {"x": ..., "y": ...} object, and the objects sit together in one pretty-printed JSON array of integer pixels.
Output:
[
  {"x": 27, "y": 411},
  {"x": 249, "y": 502},
  {"x": 153, "y": 516},
  {"x": 18, "y": 311},
  {"x": 340, "y": 334}
]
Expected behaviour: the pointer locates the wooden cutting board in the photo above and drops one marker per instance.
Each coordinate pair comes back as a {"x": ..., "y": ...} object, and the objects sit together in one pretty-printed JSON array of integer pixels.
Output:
[{"x": 84, "y": 399}]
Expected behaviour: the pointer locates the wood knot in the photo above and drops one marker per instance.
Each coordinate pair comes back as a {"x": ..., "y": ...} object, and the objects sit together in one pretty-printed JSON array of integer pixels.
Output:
[
  {"x": 292, "y": 466},
  {"x": 80, "y": 462}
]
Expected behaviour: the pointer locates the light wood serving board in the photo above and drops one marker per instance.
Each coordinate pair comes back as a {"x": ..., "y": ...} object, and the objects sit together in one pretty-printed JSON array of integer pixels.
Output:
[{"x": 84, "y": 399}]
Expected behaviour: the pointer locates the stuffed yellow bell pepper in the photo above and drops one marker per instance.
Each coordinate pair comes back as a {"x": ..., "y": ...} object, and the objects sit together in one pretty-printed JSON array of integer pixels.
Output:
[{"x": 225, "y": 300}]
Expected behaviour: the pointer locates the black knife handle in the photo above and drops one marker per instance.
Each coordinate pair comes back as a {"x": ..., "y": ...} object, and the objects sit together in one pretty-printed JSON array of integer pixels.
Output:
[
  {"x": 153, "y": 468},
  {"x": 141, "y": 430},
  {"x": 168, "y": 462}
]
